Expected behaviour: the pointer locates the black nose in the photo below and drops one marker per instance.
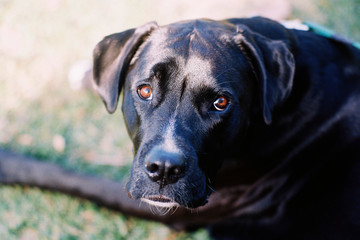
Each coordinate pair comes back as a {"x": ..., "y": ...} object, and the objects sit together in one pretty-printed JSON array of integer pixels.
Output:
[{"x": 165, "y": 167}]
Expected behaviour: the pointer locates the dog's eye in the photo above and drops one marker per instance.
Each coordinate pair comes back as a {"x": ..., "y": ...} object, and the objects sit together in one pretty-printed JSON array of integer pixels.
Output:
[
  {"x": 221, "y": 103},
  {"x": 145, "y": 92}
]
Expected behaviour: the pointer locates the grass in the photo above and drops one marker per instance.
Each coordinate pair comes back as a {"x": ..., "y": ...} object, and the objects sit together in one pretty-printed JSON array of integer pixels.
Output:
[
  {"x": 342, "y": 16},
  {"x": 42, "y": 116},
  {"x": 91, "y": 221}
]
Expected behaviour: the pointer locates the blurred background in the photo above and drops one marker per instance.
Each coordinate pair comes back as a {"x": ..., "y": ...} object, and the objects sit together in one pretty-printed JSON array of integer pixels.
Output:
[{"x": 45, "y": 113}]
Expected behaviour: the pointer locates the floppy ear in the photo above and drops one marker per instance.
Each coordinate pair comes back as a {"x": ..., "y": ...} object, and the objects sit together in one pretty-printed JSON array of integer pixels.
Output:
[
  {"x": 273, "y": 64},
  {"x": 111, "y": 61}
]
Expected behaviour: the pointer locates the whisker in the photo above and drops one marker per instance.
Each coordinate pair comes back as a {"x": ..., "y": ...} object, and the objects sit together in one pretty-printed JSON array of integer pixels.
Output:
[
  {"x": 211, "y": 188},
  {"x": 208, "y": 184}
]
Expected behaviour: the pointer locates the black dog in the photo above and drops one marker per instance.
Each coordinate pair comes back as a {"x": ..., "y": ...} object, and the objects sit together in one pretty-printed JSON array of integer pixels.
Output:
[
  {"x": 281, "y": 106},
  {"x": 265, "y": 120}
]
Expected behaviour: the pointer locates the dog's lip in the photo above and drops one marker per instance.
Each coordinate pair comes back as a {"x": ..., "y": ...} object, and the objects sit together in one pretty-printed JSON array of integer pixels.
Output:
[{"x": 160, "y": 201}]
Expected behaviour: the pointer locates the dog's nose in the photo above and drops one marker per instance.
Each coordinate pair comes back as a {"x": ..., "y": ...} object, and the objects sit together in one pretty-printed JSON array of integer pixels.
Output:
[{"x": 165, "y": 167}]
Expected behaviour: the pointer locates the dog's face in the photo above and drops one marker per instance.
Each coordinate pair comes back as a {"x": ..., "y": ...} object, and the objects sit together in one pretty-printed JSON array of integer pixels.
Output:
[
  {"x": 183, "y": 109},
  {"x": 188, "y": 98}
]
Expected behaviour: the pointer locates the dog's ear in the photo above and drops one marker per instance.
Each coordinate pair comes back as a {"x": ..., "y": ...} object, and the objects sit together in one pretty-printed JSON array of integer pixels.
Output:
[
  {"x": 112, "y": 57},
  {"x": 274, "y": 67}
]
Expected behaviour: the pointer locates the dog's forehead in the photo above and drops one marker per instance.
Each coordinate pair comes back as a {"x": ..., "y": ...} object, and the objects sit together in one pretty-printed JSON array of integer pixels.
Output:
[
  {"x": 199, "y": 71},
  {"x": 196, "y": 46}
]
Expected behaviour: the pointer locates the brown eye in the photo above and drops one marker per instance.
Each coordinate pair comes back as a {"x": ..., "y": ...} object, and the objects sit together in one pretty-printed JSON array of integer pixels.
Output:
[
  {"x": 145, "y": 92},
  {"x": 221, "y": 103}
]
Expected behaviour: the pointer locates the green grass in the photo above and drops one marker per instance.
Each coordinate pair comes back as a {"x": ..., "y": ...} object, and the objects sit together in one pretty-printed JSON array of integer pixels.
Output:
[
  {"x": 40, "y": 40},
  {"x": 25, "y": 213},
  {"x": 342, "y": 16}
]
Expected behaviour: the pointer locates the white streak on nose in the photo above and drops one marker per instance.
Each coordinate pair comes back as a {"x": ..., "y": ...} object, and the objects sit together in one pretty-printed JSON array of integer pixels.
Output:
[{"x": 169, "y": 143}]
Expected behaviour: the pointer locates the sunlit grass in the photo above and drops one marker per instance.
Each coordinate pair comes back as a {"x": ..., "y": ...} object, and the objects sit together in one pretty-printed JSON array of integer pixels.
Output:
[{"x": 39, "y": 214}]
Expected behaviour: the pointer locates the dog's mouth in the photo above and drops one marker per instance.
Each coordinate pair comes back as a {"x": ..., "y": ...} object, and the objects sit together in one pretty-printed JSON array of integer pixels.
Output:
[{"x": 160, "y": 201}]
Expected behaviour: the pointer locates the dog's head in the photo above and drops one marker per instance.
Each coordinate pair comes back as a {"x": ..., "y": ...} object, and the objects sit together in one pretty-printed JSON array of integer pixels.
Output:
[{"x": 189, "y": 92}]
